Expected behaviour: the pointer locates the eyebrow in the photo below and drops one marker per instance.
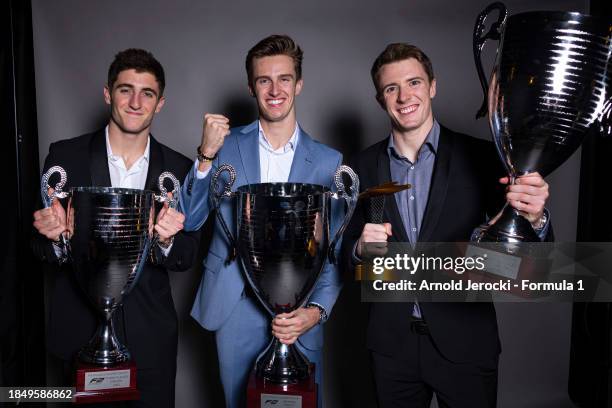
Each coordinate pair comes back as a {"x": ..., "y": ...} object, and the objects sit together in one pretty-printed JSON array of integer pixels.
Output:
[
  {"x": 280, "y": 76},
  {"x": 132, "y": 87},
  {"x": 407, "y": 80}
]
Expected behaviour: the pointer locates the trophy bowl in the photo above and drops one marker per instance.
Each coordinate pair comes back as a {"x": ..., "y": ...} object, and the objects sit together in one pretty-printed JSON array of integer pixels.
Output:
[
  {"x": 283, "y": 242},
  {"x": 550, "y": 86}
]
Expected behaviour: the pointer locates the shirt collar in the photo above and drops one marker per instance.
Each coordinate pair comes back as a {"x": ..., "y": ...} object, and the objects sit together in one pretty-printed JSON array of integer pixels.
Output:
[
  {"x": 431, "y": 142},
  {"x": 111, "y": 156},
  {"x": 290, "y": 145}
]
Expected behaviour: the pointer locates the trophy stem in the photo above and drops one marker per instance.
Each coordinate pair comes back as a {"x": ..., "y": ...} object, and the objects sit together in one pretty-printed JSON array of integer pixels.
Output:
[
  {"x": 510, "y": 227},
  {"x": 104, "y": 348},
  {"x": 282, "y": 363}
]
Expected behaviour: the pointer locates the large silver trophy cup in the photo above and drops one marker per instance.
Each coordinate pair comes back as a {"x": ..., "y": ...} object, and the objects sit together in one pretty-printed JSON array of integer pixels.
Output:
[
  {"x": 550, "y": 86},
  {"x": 110, "y": 234},
  {"x": 283, "y": 241}
]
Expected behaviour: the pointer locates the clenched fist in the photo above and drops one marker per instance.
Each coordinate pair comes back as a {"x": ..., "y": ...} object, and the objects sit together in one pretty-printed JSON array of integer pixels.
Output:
[
  {"x": 169, "y": 222},
  {"x": 374, "y": 233},
  {"x": 216, "y": 128}
]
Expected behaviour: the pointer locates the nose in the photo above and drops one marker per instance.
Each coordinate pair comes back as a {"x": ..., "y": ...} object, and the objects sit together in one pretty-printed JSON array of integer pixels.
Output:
[
  {"x": 274, "y": 88},
  {"x": 135, "y": 101},
  {"x": 404, "y": 94}
]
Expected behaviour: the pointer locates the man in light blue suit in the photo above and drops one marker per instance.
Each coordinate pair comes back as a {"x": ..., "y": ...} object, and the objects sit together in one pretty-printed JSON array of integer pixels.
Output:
[{"x": 271, "y": 149}]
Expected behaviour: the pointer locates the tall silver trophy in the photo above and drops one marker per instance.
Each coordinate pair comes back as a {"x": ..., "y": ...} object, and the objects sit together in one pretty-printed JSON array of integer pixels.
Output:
[
  {"x": 283, "y": 241},
  {"x": 110, "y": 234},
  {"x": 551, "y": 86}
]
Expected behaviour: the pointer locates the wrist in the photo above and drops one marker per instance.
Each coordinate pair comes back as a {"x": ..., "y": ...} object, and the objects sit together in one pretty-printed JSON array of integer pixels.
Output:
[
  {"x": 540, "y": 222},
  {"x": 320, "y": 309},
  {"x": 205, "y": 154}
]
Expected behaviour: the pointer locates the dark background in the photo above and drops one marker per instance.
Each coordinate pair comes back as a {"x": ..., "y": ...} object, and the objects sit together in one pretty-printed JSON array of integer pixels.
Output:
[{"x": 202, "y": 46}]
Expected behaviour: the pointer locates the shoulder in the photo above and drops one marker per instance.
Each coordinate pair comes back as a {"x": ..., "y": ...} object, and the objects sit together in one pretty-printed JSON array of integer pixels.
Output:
[
  {"x": 369, "y": 156},
  {"x": 75, "y": 143},
  {"x": 471, "y": 144},
  {"x": 176, "y": 161}
]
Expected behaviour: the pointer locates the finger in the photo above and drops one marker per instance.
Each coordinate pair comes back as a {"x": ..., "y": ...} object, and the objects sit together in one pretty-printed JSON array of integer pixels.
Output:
[
  {"x": 526, "y": 198},
  {"x": 529, "y": 209},
  {"x": 215, "y": 116},
  {"x": 504, "y": 180},
  {"x": 533, "y": 180},
  {"x": 388, "y": 228},
  {"x": 527, "y": 190}
]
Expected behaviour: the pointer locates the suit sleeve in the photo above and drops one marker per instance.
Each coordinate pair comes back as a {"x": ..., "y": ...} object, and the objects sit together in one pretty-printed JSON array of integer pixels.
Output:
[
  {"x": 329, "y": 284},
  {"x": 195, "y": 200}
]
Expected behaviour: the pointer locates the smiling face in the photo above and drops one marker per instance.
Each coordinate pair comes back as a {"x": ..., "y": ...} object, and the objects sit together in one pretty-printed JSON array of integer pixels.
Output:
[
  {"x": 134, "y": 100},
  {"x": 275, "y": 86},
  {"x": 405, "y": 92}
]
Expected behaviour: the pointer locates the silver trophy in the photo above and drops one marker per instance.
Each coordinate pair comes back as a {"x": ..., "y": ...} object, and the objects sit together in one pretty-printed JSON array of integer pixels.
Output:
[
  {"x": 283, "y": 242},
  {"x": 550, "y": 86},
  {"x": 110, "y": 234}
]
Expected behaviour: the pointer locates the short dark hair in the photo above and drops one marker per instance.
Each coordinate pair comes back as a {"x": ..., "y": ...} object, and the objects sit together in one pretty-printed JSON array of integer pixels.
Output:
[
  {"x": 398, "y": 52},
  {"x": 139, "y": 60},
  {"x": 275, "y": 45}
]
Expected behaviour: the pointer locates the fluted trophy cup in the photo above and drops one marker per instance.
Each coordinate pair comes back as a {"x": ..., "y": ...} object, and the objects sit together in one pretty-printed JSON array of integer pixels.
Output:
[
  {"x": 550, "y": 87},
  {"x": 283, "y": 241},
  {"x": 110, "y": 235}
]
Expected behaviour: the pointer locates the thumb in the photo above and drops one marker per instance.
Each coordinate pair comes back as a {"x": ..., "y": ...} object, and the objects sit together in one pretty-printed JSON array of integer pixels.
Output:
[
  {"x": 388, "y": 228},
  {"x": 167, "y": 201}
]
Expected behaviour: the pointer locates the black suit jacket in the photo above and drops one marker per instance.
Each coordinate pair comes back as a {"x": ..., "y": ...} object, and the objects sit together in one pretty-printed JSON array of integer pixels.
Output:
[
  {"x": 464, "y": 191},
  {"x": 148, "y": 323}
]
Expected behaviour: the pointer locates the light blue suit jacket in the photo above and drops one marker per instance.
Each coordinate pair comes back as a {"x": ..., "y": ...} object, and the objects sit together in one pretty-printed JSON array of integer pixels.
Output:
[{"x": 222, "y": 285}]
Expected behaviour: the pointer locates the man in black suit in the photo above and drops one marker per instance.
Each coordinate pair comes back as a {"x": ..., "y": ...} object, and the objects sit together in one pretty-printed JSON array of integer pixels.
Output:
[
  {"x": 417, "y": 349},
  {"x": 124, "y": 154}
]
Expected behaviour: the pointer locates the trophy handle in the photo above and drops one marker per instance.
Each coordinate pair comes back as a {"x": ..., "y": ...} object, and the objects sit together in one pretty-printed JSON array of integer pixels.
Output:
[
  {"x": 217, "y": 195},
  {"x": 47, "y": 198},
  {"x": 480, "y": 40},
  {"x": 176, "y": 186},
  {"x": 351, "y": 202}
]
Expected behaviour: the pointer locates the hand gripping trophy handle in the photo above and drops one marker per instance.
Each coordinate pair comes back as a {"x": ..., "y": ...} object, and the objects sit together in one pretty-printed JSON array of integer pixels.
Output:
[
  {"x": 351, "y": 202},
  {"x": 494, "y": 33},
  {"x": 48, "y": 198},
  {"x": 216, "y": 195},
  {"x": 163, "y": 196}
]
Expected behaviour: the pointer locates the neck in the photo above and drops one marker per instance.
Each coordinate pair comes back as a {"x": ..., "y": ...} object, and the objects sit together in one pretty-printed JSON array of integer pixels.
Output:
[
  {"x": 129, "y": 146},
  {"x": 409, "y": 142},
  {"x": 279, "y": 133}
]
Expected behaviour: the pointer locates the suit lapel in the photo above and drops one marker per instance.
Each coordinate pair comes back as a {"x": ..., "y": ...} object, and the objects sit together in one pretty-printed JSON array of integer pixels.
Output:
[
  {"x": 98, "y": 160},
  {"x": 156, "y": 165},
  {"x": 248, "y": 147},
  {"x": 391, "y": 210},
  {"x": 439, "y": 185},
  {"x": 301, "y": 167}
]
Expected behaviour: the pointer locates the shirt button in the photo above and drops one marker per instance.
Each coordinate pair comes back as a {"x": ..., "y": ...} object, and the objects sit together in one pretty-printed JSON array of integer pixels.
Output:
[
  {"x": 411, "y": 167},
  {"x": 412, "y": 197},
  {"x": 413, "y": 229}
]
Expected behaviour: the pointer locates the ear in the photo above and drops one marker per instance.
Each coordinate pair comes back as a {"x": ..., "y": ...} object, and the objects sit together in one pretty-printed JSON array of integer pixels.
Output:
[
  {"x": 298, "y": 86},
  {"x": 107, "y": 95},
  {"x": 251, "y": 91},
  {"x": 432, "y": 88},
  {"x": 160, "y": 104}
]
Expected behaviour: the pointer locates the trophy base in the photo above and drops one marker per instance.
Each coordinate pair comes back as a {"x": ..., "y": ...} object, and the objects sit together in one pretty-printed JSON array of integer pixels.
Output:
[
  {"x": 105, "y": 384},
  {"x": 262, "y": 393}
]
